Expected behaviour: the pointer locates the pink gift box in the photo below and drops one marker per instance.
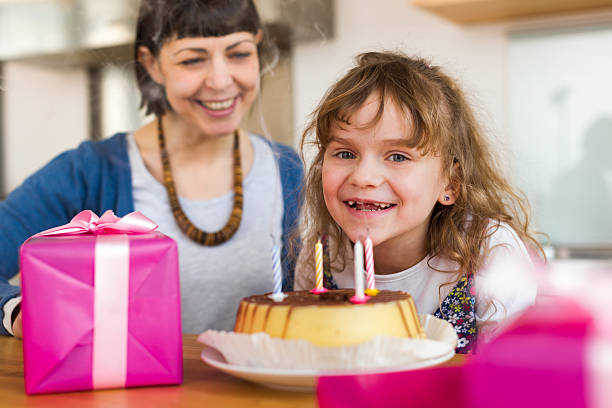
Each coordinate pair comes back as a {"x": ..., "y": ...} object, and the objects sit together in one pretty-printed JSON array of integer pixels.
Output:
[
  {"x": 552, "y": 355},
  {"x": 79, "y": 337}
]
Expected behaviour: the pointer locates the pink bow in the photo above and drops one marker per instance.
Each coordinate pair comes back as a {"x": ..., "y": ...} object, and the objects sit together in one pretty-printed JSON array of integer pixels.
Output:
[{"x": 87, "y": 222}]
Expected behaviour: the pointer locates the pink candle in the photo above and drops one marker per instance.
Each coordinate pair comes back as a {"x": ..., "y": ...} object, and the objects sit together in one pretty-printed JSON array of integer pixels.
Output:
[{"x": 369, "y": 261}]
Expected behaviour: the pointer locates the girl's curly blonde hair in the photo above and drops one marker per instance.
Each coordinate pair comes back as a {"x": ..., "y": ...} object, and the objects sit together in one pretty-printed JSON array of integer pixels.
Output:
[{"x": 443, "y": 124}]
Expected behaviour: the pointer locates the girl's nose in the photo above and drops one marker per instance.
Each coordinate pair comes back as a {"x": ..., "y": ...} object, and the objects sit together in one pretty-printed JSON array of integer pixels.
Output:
[
  {"x": 366, "y": 173},
  {"x": 219, "y": 75}
]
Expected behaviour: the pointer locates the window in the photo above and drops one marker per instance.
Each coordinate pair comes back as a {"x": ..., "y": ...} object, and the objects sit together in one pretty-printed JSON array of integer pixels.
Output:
[{"x": 560, "y": 111}]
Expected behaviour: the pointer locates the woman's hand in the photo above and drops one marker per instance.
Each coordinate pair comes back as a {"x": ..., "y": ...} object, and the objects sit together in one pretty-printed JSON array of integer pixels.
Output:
[{"x": 17, "y": 326}]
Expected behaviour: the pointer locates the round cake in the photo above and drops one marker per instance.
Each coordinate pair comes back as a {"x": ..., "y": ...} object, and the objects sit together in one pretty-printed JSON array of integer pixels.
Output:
[{"x": 330, "y": 319}]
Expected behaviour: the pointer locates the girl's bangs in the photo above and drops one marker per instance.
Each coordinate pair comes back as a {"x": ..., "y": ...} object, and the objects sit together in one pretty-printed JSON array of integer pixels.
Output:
[
  {"x": 341, "y": 110},
  {"x": 426, "y": 133},
  {"x": 339, "y": 107}
]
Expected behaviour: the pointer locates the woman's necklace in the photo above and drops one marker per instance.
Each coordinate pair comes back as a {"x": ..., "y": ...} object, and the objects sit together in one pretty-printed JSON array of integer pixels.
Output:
[{"x": 193, "y": 232}]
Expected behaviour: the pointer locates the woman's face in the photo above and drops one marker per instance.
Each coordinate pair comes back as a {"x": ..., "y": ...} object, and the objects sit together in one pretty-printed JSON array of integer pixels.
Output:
[{"x": 210, "y": 82}]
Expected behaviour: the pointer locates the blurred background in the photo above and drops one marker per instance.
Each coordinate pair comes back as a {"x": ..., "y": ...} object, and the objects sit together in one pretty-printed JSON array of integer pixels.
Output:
[{"x": 537, "y": 72}]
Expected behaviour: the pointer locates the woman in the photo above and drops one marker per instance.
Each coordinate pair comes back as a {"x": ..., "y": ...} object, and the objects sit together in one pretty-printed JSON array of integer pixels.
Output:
[{"x": 224, "y": 195}]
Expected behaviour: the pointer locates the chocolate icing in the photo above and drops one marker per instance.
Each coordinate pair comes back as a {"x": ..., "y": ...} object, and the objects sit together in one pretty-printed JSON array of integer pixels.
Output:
[{"x": 332, "y": 297}]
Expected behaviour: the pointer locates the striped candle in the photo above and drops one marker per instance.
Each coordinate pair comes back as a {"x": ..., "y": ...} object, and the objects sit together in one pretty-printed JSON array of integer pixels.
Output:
[
  {"x": 319, "y": 265},
  {"x": 369, "y": 263},
  {"x": 277, "y": 276},
  {"x": 319, "y": 269}
]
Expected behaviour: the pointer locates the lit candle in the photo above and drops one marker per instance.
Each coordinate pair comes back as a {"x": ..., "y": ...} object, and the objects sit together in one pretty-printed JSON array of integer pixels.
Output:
[
  {"x": 277, "y": 276},
  {"x": 369, "y": 262},
  {"x": 318, "y": 269},
  {"x": 358, "y": 261}
]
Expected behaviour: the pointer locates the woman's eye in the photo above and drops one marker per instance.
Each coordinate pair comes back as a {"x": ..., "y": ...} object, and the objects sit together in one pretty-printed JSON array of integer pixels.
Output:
[
  {"x": 240, "y": 55},
  {"x": 397, "y": 157},
  {"x": 345, "y": 155},
  {"x": 192, "y": 61}
]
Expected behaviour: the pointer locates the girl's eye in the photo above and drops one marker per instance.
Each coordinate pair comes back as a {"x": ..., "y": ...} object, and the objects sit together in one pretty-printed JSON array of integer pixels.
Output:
[
  {"x": 345, "y": 155},
  {"x": 398, "y": 157}
]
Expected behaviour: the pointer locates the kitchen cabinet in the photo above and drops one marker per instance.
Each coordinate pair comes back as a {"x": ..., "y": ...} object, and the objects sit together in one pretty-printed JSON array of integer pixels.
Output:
[{"x": 486, "y": 11}]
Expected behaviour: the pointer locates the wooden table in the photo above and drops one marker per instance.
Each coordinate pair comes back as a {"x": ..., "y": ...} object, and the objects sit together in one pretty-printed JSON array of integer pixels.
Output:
[{"x": 203, "y": 386}]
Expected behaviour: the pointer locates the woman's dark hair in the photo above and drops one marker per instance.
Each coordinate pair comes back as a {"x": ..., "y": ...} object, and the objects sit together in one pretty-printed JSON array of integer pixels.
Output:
[{"x": 161, "y": 20}]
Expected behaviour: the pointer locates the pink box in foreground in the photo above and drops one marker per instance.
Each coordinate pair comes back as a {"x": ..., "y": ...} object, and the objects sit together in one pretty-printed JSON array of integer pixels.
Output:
[{"x": 57, "y": 275}]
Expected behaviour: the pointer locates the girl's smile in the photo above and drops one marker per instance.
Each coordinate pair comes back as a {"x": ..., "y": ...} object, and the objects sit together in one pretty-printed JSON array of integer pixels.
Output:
[
  {"x": 374, "y": 180},
  {"x": 368, "y": 208}
]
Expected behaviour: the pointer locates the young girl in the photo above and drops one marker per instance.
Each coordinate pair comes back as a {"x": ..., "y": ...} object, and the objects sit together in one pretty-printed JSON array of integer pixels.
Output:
[{"x": 401, "y": 159}]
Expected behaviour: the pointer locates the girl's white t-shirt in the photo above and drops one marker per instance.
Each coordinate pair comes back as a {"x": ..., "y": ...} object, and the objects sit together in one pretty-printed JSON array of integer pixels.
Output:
[{"x": 504, "y": 286}]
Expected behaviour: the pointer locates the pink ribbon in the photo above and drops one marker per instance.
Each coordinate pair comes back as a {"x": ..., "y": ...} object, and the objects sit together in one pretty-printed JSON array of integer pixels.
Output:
[
  {"x": 111, "y": 298},
  {"x": 87, "y": 222},
  {"x": 111, "y": 287}
]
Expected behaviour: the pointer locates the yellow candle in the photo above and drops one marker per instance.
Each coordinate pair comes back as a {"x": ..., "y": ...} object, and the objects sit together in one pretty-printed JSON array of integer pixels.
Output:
[{"x": 319, "y": 269}]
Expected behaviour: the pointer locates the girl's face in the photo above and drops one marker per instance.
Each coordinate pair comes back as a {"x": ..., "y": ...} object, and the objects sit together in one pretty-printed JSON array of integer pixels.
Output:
[
  {"x": 372, "y": 179},
  {"x": 210, "y": 82}
]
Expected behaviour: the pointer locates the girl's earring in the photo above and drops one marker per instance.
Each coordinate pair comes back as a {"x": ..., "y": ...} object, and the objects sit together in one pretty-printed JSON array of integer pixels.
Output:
[{"x": 446, "y": 198}]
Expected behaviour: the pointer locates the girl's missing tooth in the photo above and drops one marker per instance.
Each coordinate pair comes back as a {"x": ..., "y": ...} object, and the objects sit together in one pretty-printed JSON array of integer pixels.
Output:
[{"x": 401, "y": 158}]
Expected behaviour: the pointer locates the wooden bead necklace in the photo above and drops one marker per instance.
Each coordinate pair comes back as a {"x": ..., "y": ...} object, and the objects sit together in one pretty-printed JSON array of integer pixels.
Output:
[{"x": 193, "y": 232}]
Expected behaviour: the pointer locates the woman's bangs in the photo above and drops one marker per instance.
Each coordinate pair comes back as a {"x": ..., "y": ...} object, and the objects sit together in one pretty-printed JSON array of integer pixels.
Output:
[{"x": 213, "y": 19}]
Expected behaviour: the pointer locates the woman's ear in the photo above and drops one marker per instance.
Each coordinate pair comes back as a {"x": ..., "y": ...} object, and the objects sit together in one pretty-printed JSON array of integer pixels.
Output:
[
  {"x": 258, "y": 37},
  {"x": 151, "y": 64},
  {"x": 451, "y": 191}
]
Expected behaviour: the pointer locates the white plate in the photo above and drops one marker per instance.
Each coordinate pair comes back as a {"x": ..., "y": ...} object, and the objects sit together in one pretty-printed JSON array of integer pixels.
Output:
[{"x": 299, "y": 380}]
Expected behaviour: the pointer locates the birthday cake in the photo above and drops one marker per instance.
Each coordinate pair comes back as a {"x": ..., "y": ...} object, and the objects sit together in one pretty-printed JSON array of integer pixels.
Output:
[{"x": 330, "y": 319}]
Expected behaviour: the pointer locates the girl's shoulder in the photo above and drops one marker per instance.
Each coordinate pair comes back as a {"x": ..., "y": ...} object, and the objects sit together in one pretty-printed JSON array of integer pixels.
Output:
[
  {"x": 506, "y": 281},
  {"x": 502, "y": 236}
]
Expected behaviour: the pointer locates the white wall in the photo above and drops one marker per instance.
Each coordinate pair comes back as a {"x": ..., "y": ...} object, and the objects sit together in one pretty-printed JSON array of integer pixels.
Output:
[
  {"x": 475, "y": 55},
  {"x": 46, "y": 111}
]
